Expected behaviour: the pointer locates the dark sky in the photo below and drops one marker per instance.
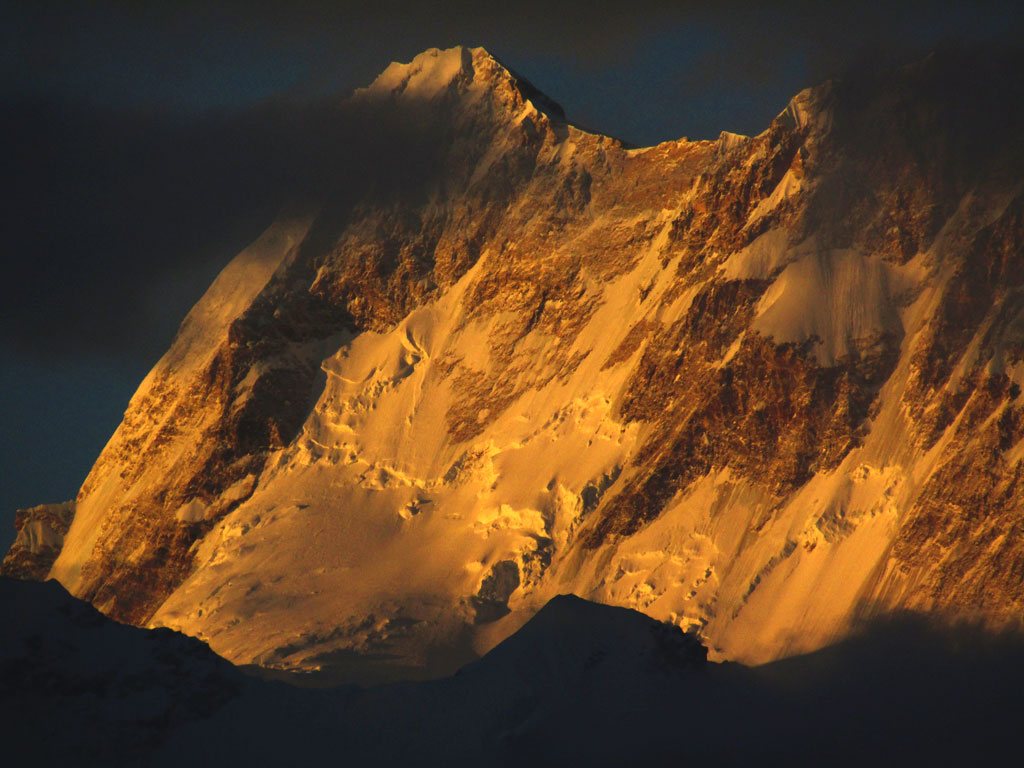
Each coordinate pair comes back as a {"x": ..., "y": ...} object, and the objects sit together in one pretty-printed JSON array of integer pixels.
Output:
[{"x": 144, "y": 144}]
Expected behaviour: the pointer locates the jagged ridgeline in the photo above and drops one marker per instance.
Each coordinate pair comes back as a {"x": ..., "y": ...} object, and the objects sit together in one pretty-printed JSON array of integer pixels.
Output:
[{"x": 761, "y": 386}]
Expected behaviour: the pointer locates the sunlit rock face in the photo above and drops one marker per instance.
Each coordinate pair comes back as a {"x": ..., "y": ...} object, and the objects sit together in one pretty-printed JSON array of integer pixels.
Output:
[
  {"x": 41, "y": 531},
  {"x": 759, "y": 386}
]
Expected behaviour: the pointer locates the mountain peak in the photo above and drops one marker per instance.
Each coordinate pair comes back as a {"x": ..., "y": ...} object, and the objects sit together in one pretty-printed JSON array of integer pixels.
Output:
[
  {"x": 428, "y": 74},
  {"x": 435, "y": 72}
]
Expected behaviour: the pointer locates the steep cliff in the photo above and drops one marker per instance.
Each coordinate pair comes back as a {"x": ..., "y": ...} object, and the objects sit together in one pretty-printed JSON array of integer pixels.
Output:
[{"x": 760, "y": 386}]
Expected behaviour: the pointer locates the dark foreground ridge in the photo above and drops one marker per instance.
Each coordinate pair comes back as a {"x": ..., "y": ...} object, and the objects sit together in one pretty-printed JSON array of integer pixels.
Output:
[
  {"x": 79, "y": 687},
  {"x": 583, "y": 682}
]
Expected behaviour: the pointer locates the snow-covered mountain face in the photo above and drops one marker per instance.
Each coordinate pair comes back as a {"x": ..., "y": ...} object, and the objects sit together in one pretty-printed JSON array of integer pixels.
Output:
[{"x": 759, "y": 386}]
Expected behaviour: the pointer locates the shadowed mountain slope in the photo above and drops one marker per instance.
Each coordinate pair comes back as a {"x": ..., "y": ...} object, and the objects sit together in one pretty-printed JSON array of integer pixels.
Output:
[{"x": 580, "y": 681}]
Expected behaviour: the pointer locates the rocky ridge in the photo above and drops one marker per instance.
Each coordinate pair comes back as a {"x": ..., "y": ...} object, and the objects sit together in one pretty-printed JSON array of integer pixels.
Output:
[
  {"x": 759, "y": 386},
  {"x": 579, "y": 680},
  {"x": 79, "y": 687}
]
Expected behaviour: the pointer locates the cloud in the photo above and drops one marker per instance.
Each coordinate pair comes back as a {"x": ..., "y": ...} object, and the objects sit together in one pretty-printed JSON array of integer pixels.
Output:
[
  {"x": 146, "y": 143},
  {"x": 102, "y": 205},
  {"x": 119, "y": 219}
]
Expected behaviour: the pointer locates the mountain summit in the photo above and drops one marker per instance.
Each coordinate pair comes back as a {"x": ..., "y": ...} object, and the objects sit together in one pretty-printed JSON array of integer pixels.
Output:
[
  {"x": 455, "y": 71},
  {"x": 759, "y": 386}
]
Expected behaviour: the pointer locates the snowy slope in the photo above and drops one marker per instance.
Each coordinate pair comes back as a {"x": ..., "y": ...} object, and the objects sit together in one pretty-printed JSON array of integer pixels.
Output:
[{"x": 758, "y": 387}]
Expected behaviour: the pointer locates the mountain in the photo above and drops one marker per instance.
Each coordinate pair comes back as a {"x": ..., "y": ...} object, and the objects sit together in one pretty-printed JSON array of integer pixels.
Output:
[
  {"x": 78, "y": 685},
  {"x": 761, "y": 387},
  {"x": 580, "y": 681}
]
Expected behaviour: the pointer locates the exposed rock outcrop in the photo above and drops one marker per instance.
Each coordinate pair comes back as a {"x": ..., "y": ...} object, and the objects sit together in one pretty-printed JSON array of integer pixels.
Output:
[{"x": 40, "y": 536}]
